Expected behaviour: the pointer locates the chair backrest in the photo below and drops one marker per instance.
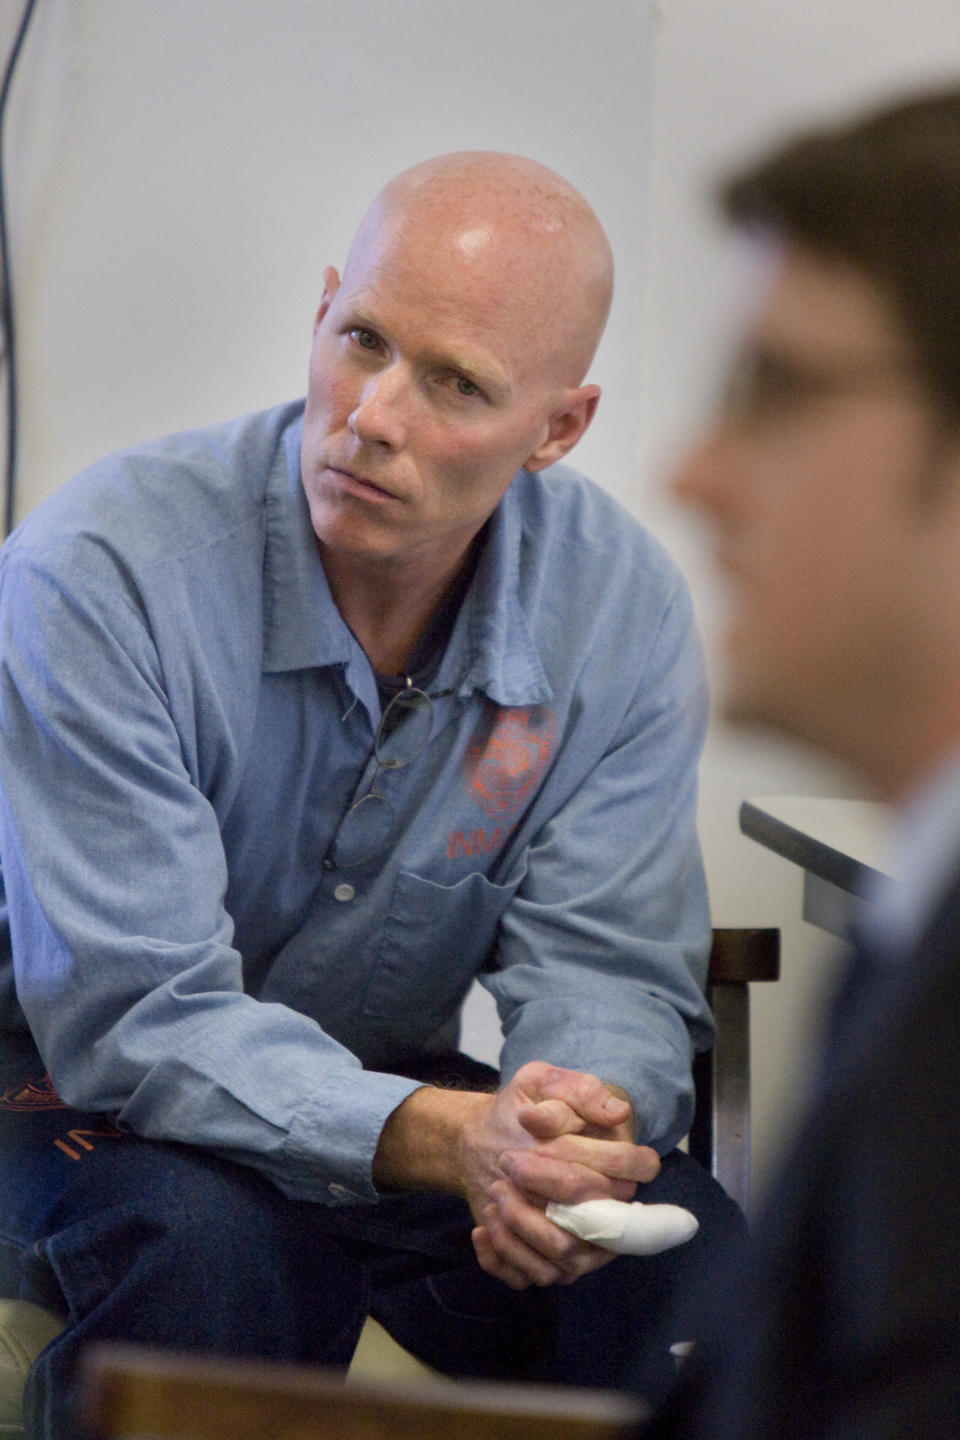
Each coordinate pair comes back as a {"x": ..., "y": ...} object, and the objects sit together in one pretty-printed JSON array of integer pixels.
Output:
[
  {"x": 129, "y": 1393},
  {"x": 720, "y": 1137}
]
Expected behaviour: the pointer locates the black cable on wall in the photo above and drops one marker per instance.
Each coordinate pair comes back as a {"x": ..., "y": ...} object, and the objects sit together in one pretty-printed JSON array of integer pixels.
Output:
[{"x": 6, "y": 299}]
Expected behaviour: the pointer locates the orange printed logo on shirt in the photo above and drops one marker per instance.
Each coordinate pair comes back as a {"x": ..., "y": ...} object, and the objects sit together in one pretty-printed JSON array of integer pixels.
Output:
[{"x": 508, "y": 757}]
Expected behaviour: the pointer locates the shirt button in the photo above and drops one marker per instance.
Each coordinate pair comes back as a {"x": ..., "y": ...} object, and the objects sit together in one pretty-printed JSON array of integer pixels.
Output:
[{"x": 344, "y": 892}]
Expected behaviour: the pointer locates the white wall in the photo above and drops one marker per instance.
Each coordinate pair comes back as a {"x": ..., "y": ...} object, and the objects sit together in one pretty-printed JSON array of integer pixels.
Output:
[
  {"x": 180, "y": 171},
  {"x": 183, "y": 170}
]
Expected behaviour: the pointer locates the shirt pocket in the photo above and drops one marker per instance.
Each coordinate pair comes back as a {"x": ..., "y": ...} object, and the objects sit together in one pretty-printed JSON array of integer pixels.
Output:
[{"x": 434, "y": 941}]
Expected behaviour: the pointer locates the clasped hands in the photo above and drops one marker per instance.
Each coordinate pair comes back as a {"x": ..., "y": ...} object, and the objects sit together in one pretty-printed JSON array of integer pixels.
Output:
[{"x": 548, "y": 1134}]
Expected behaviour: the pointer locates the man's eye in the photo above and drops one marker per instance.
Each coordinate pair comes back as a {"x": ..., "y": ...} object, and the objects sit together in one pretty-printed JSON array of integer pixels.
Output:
[
  {"x": 467, "y": 387},
  {"x": 763, "y": 383},
  {"x": 364, "y": 338}
]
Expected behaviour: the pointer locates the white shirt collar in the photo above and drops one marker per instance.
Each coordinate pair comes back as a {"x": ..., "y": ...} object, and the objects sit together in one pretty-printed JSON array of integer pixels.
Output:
[{"x": 924, "y": 854}]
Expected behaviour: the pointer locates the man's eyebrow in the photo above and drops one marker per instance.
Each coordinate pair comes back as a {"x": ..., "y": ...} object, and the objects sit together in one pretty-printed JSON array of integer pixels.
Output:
[
  {"x": 489, "y": 377},
  {"x": 357, "y": 318}
]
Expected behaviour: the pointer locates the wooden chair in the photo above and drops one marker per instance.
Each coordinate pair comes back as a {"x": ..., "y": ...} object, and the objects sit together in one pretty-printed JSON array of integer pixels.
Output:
[
  {"x": 720, "y": 1140},
  {"x": 720, "y": 1137},
  {"x": 136, "y": 1394}
]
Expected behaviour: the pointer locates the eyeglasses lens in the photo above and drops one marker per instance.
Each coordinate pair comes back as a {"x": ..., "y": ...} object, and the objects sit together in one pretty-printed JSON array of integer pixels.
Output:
[
  {"x": 402, "y": 734},
  {"x": 404, "y": 729}
]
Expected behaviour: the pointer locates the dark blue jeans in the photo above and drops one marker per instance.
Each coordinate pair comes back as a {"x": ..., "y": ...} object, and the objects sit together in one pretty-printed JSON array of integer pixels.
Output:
[{"x": 170, "y": 1246}]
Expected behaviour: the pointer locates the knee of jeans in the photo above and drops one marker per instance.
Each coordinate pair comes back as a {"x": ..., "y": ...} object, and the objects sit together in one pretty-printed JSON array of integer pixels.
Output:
[
  {"x": 174, "y": 1220},
  {"x": 79, "y": 1266},
  {"x": 124, "y": 1256},
  {"x": 125, "y": 1275}
]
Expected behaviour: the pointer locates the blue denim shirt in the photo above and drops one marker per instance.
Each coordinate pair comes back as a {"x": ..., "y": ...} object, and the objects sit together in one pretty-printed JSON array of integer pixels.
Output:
[{"x": 184, "y": 720}]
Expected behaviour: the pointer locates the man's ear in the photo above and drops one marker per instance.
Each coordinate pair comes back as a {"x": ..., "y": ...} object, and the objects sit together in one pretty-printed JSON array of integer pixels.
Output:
[
  {"x": 331, "y": 284},
  {"x": 568, "y": 421}
]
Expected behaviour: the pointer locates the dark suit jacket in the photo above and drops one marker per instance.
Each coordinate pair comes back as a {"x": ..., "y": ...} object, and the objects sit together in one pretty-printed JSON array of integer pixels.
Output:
[{"x": 844, "y": 1324}]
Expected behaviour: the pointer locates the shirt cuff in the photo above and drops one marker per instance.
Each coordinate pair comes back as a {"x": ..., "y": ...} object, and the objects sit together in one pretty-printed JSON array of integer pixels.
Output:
[{"x": 328, "y": 1153}]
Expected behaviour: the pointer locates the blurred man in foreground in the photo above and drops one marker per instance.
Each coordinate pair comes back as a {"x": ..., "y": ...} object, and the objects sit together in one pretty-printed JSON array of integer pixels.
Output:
[{"x": 832, "y": 482}]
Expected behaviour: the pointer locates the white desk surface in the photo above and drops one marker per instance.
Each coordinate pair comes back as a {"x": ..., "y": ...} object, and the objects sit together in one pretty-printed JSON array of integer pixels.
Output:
[
  {"x": 856, "y": 829},
  {"x": 837, "y": 843}
]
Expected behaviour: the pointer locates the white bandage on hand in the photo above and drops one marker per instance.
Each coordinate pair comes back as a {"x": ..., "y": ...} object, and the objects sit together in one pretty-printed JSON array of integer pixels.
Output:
[{"x": 627, "y": 1229}]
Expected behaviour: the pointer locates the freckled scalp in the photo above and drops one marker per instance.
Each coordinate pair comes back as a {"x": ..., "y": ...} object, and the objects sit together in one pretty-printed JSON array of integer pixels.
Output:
[{"x": 522, "y": 235}]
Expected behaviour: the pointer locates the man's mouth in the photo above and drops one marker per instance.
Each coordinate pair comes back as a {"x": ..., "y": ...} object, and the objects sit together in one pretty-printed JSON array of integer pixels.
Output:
[{"x": 360, "y": 484}]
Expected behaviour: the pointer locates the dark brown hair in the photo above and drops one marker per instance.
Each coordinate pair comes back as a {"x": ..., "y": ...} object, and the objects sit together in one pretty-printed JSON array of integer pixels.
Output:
[{"x": 881, "y": 193}]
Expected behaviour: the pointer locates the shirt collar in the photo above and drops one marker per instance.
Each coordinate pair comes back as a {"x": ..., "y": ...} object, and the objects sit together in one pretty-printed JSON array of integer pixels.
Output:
[
  {"x": 491, "y": 648},
  {"x": 924, "y": 854},
  {"x": 301, "y": 625}
]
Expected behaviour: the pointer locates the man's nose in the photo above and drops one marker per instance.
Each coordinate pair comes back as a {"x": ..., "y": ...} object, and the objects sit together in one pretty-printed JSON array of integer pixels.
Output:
[{"x": 381, "y": 413}]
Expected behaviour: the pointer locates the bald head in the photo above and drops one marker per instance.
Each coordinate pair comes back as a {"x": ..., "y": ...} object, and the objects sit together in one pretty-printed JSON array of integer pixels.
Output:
[{"x": 518, "y": 233}]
